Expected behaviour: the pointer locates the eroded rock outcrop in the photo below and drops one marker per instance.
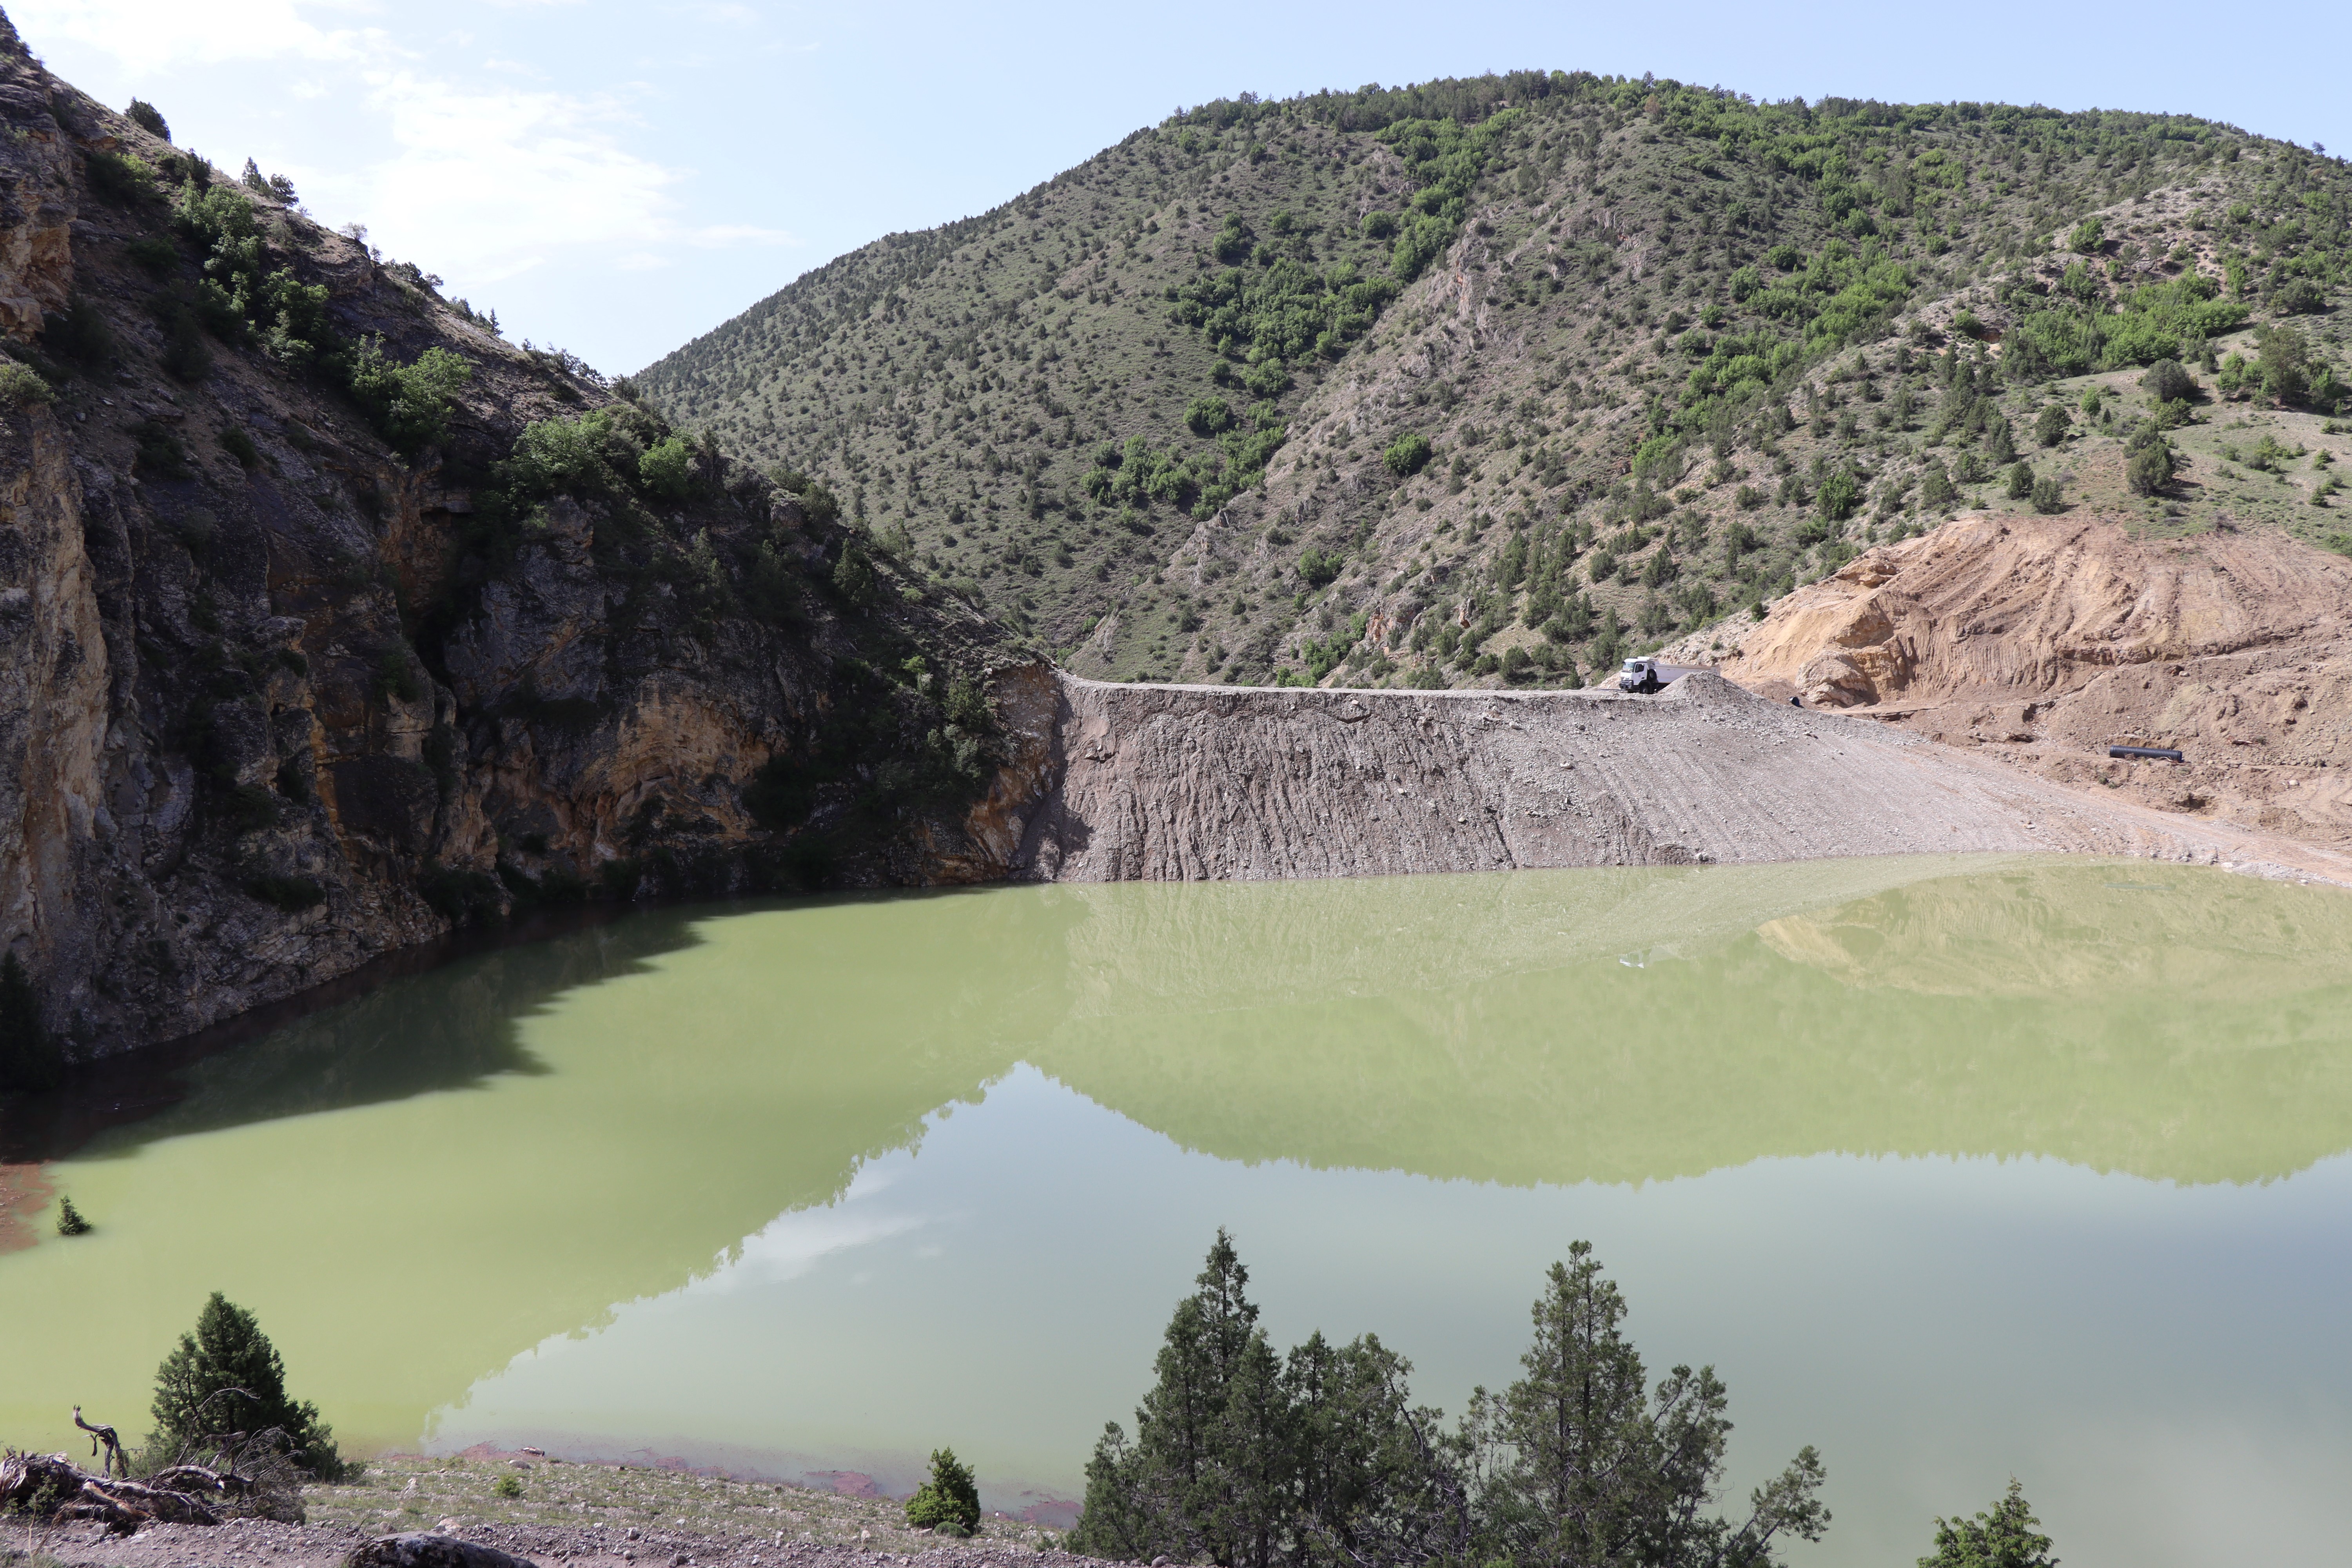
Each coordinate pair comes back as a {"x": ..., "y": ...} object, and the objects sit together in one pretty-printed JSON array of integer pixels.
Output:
[
  {"x": 2047, "y": 640},
  {"x": 278, "y": 695}
]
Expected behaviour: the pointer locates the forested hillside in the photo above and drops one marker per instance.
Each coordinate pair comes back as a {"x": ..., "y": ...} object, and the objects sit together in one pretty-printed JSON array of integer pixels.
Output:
[{"x": 1497, "y": 379}]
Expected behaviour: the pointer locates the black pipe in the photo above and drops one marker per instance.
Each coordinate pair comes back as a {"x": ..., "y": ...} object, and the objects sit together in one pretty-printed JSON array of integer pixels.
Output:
[{"x": 2164, "y": 752}]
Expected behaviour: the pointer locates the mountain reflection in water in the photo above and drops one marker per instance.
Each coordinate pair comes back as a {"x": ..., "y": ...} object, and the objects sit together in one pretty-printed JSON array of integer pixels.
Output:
[{"x": 416, "y": 1188}]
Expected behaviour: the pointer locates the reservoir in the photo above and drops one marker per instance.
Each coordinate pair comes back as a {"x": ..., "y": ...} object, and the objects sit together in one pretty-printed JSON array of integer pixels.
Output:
[{"x": 1956, "y": 1168}]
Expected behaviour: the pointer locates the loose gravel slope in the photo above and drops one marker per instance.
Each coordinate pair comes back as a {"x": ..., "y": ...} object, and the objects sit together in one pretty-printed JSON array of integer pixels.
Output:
[{"x": 1192, "y": 783}]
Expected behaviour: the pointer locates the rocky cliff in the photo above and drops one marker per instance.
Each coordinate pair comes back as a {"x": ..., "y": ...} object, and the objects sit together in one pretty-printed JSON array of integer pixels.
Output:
[{"x": 329, "y": 619}]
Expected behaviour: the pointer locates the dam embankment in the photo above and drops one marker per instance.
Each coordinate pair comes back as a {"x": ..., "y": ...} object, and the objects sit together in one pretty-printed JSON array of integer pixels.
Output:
[{"x": 1201, "y": 782}]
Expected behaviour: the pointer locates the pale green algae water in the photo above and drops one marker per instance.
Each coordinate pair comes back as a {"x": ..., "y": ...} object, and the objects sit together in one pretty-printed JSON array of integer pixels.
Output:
[{"x": 1954, "y": 1168}]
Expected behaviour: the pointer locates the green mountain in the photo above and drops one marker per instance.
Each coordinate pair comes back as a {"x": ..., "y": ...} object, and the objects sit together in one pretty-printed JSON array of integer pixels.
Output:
[{"x": 1491, "y": 380}]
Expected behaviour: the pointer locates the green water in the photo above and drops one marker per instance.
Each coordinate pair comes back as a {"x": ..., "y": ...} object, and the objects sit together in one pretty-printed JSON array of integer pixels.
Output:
[{"x": 1954, "y": 1168}]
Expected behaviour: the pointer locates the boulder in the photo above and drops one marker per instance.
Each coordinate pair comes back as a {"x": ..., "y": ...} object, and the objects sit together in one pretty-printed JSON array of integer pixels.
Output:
[{"x": 429, "y": 1549}]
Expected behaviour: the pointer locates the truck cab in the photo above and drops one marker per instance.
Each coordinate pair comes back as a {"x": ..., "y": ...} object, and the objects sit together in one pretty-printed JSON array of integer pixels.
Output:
[{"x": 1639, "y": 675}]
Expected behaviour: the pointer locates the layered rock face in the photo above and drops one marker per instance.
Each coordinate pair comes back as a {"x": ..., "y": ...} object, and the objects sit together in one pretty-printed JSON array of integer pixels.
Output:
[
  {"x": 268, "y": 713},
  {"x": 2044, "y": 641}
]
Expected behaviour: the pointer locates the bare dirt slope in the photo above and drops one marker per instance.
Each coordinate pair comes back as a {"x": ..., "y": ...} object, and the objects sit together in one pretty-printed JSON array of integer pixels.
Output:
[
  {"x": 1188, "y": 783},
  {"x": 2043, "y": 642}
]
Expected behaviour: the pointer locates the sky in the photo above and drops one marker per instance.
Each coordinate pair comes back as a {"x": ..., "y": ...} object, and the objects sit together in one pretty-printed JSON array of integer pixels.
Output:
[{"x": 615, "y": 179}]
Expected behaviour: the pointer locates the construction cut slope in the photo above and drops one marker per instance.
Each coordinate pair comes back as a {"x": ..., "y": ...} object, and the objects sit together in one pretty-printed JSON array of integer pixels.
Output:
[
  {"x": 2045, "y": 641},
  {"x": 1192, "y": 783}
]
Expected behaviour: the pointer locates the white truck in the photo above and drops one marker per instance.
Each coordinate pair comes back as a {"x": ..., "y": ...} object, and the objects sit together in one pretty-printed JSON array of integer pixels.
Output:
[{"x": 1643, "y": 675}]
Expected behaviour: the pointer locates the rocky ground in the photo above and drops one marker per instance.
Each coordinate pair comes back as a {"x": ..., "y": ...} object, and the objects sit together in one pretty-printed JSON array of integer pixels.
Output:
[{"x": 582, "y": 1514}]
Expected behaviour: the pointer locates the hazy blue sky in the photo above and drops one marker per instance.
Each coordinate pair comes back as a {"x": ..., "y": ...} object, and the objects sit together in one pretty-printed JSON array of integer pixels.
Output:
[{"x": 615, "y": 178}]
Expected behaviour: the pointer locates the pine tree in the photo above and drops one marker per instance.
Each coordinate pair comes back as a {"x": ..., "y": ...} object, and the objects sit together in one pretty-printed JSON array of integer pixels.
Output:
[
  {"x": 949, "y": 1501},
  {"x": 1586, "y": 1465},
  {"x": 1205, "y": 1476},
  {"x": 2005, "y": 1537},
  {"x": 228, "y": 1377}
]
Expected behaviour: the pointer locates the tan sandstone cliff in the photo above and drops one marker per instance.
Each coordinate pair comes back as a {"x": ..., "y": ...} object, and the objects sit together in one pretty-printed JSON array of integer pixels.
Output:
[{"x": 2044, "y": 641}]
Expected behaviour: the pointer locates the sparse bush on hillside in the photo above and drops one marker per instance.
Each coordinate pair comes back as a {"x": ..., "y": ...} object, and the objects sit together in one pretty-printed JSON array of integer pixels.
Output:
[
  {"x": 2298, "y": 297},
  {"x": 1407, "y": 455},
  {"x": 2000, "y": 445},
  {"x": 407, "y": 403},
  {"x": 2156, "y": 321},
  {"x": 2283, "y": 361},
  {"x": 2047, "y": 494},
  {"x": 2051, "y": 426},
  {"x": 2168, "y": 380},
  {"x": 148, "y": 118},
  {"x": 21, "y": 386},
  {"x": 854, "y": 578},
  {"x": 80, "y": 334},
  {"x": 2088, "y": 236},
  {"x": 948, "y": 1501},
  {"x": 1317, "y": 567},
  {"x": 666, "y": 469},
  {"x": 1208, "y": 416},
  {"x": 1936, "y": 487},
  {"x": 1841, "y": 495},
  {"x": 2150, "y": 461}
]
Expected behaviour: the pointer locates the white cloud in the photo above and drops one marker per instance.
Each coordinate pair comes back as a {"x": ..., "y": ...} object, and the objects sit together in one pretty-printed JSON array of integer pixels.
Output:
[
  {"x": 459, "y": 148},
  {"x": 492, "y": 180},
  {"x": 154, "y": 36}
]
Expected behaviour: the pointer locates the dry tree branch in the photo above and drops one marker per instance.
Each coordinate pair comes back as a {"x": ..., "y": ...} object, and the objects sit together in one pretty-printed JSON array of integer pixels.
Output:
[{"x": 115, "y": 1457}]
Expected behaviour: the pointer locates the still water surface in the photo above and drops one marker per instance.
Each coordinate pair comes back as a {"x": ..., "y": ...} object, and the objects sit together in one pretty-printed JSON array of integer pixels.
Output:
[{"x": 1954, "y": 1168}]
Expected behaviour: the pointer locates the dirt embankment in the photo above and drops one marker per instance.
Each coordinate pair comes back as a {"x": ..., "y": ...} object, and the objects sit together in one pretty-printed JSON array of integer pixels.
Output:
[
  {"x": 1192, "y": 783},
  {"x": 2041, "y": 643}
]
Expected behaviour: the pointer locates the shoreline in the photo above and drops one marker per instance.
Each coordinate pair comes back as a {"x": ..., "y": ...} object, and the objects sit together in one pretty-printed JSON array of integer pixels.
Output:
[{"x": 580, "y": 1513}]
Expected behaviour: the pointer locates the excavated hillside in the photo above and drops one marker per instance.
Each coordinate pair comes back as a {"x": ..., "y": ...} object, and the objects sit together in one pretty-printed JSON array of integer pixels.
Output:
[
  {"x": 1203, "y": 783},
  {"x": 329, "y": 620},
  {"x": 1489, "y": 382},
  {"x": 2042, "y": 642}
]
